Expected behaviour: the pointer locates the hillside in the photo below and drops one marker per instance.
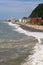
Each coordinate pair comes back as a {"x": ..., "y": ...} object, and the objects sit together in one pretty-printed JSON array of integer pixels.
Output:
[{"x": 37, "y": 12}]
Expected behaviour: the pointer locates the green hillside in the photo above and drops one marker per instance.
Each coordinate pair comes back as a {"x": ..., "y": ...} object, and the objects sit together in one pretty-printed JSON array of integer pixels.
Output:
[{"x": 38, "y": 11}]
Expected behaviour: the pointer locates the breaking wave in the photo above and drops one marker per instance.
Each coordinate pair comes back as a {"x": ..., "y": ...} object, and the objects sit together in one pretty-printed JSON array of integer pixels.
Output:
[{"x": 37, "y": 57}]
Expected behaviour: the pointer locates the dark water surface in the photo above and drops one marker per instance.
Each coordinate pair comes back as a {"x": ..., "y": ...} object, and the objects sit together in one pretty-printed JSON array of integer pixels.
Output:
[{"x": 14, "y": 46}]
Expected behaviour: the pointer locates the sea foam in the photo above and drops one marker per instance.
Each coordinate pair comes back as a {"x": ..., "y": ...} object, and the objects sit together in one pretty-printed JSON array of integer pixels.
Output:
[
  {"x": 37, "y": 57},
  {"x": 17, "y": 28}
]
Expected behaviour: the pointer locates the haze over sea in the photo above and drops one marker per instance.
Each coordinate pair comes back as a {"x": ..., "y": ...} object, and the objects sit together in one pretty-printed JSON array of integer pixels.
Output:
[{"x": 18, "y": 46}]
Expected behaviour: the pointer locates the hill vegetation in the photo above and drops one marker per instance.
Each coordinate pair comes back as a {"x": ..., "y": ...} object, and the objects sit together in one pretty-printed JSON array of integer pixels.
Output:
[{"x": 37, "y": 12}]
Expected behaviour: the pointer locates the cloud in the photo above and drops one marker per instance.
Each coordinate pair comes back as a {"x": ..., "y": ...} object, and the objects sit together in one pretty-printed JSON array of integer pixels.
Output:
[{"x": 17, "y": 8}]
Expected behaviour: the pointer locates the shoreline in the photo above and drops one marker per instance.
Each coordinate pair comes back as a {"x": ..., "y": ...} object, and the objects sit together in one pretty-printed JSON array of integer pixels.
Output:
[
  {"x": 31, "y": 28},
  {"x": 37, "y": 48},
  {"x": 22, "y": 29},
  {"x": 26, "y": 27},
  {"x": 40, "y": 41},
  {"x": 25, "y": 57}
]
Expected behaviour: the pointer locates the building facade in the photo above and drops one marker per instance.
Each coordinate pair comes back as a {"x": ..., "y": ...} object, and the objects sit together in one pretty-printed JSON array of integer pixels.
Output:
[{"x": 36, "y": 20}]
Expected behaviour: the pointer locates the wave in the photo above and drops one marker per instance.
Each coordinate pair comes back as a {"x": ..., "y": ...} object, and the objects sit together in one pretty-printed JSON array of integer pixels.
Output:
[
  {"x": 16, "y": 27},
  {"x": 37, "y": 57},
  {"x": 20, "y": 30}
]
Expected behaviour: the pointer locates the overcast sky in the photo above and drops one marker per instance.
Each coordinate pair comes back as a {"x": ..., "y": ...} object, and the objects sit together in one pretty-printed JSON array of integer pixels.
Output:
[{"x": 17, "y": 8}]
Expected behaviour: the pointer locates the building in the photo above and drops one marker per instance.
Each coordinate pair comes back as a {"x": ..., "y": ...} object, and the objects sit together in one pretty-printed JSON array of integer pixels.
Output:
[
  {"x": 36, "y": 20},
  {"x": 24, "y": 20},
  {"x": 11, "y": 20},
  {"x": 20, "y": 20}
]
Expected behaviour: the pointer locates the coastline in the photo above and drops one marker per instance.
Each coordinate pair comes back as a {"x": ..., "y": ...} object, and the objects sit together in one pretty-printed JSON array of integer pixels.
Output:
[
  {"x": 25, "y": 50},
  {"x": 24, "y": 27},
  {"x": 38, "y": 48},
  {"x": 31, "y": 29},
  {"x": 18, "y": 50},
  {"x": 34, "y": 28}
]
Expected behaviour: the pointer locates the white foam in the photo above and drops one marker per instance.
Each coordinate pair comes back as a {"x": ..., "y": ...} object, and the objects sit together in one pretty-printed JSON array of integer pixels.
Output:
[
  {"x": 17, "y": 28},
  {"x": 13, "y": 25},
  {"x": 20, "y": 30},
  {"x": 38, "y": 34},
  {"x": 37, "y": 57}
]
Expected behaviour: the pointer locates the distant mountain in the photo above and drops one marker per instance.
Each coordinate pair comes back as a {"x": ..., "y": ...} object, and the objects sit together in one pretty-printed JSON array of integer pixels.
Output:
[{"x": 37, "y": 12}]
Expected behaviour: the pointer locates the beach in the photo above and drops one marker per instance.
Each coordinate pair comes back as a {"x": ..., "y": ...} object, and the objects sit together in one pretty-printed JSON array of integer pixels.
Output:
[{"x": 31, "y": 27}]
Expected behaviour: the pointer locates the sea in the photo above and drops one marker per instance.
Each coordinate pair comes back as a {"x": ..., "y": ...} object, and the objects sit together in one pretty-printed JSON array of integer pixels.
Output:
[{"x": 19, "y": 46}]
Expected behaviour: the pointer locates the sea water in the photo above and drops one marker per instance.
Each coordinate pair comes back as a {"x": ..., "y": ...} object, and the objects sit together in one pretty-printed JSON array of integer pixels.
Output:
[{"x": 18, "y": 46}]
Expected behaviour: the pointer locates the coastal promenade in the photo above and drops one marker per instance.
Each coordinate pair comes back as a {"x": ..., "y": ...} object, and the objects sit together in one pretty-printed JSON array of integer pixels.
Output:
[{"x": 38, "y": 28}]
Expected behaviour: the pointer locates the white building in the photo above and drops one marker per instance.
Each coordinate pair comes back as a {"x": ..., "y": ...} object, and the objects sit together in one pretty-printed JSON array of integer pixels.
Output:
[
  {"x": 12, "y": 19},
  {"x": 20, "y": 20}
]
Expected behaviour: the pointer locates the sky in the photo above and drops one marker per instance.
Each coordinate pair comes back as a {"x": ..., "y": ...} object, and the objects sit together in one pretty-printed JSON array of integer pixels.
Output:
[{"x": 17, "y": 8}]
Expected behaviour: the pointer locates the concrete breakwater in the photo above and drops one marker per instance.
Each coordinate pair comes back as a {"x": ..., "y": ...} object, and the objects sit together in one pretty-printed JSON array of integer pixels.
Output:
[{"x": 34, "y": 28}]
